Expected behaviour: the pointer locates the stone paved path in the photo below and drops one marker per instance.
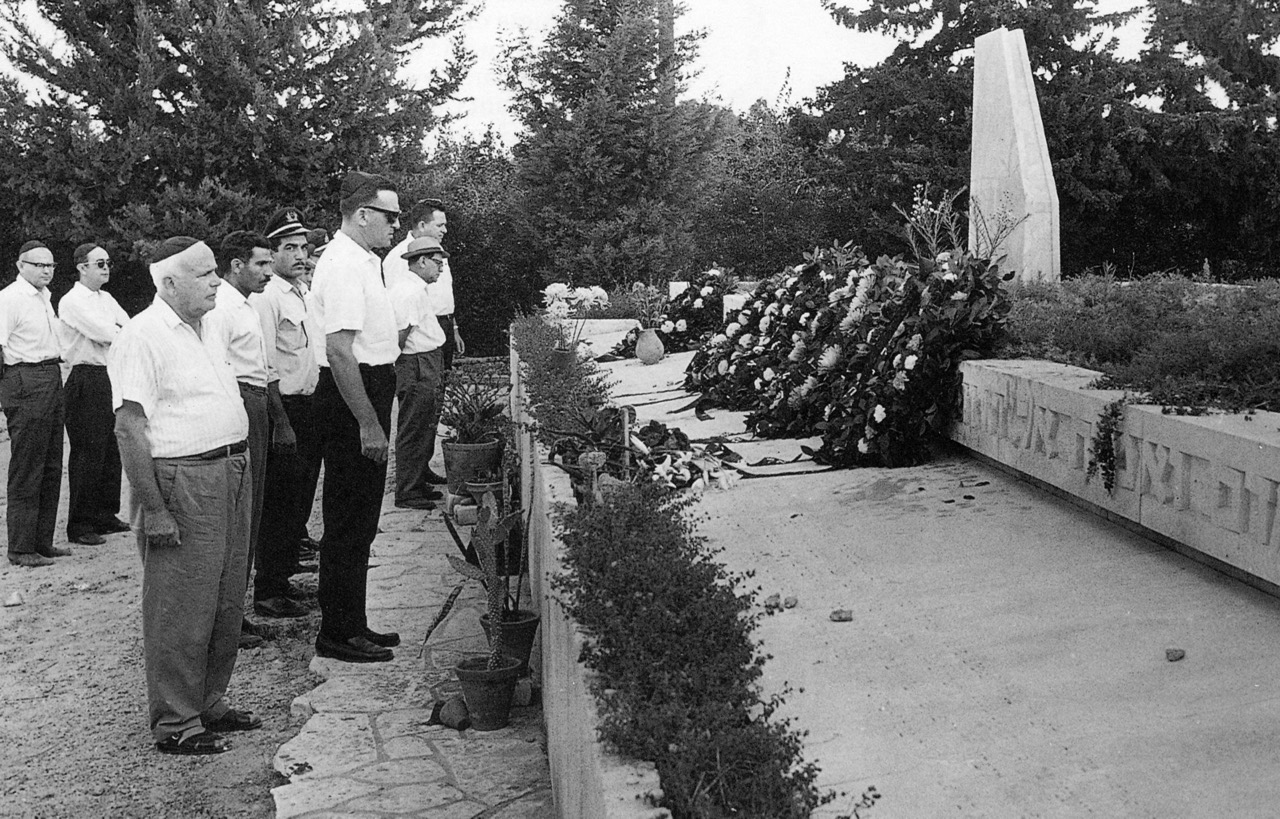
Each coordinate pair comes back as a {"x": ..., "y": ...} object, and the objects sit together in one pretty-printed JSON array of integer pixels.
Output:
[{"x": 366, "y": 749}]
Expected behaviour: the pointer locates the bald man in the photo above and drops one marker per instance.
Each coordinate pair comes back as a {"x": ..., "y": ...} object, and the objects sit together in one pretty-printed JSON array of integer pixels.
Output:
[
  {"x": 32, "y": 398},
  {"x": 183, "y": 431}
]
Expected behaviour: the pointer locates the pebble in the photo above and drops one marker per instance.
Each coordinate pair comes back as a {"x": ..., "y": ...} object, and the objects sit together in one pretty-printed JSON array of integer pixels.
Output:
[
  {"x": 790, "y": 602},
  {"x": 14, "y": 599},
  {"x": 1174, "y": 654},
  {"x": 841, "y": 616},
  {"x": 773, "y": 602}
]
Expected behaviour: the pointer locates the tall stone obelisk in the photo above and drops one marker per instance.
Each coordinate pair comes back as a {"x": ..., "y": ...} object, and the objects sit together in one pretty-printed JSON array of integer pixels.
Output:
[{"x": 1010, "y": 175}]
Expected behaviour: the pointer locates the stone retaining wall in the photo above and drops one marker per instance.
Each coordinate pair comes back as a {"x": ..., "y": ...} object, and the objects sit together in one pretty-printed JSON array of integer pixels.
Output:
[
  {"x": 587, "y": 781},
  {"x": 1205, "y": 485}
]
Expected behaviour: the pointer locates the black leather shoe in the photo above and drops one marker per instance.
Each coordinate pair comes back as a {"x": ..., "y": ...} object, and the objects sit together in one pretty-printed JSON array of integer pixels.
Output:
[
  {"x": 279, "y": 607},
  {"x": 112, "y": 526},
  {"x": 88, "y": 539},
  {"x": 388, "y": 640},
  {"x": 438, "y": 480},
  {"x": 427, "y": 501},
  {"x": 353, "y": 650}
]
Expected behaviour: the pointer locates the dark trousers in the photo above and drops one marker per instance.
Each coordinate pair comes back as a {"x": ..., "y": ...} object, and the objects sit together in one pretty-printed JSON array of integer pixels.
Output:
[
  {"x": 418, "y": 394},
  {"x": 287, "y": 500},
  {"x": 352, "y": 501},
  {"x": 450, "y": 347},
  {"x": 255, "y": 406},
  {"x": 93, "y": 467},
  {"x": 32, "y": 399}
]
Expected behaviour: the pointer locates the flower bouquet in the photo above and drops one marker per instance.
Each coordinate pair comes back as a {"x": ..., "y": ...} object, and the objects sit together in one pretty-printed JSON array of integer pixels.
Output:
[{"x": 567, "y": 308}]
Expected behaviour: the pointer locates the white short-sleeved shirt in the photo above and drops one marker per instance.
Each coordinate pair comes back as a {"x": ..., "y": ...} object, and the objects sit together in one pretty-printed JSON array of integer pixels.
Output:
[
  {"x": 413, "y": 309},
  {"x": 347, "y": 293},
  {"x": 440, "y": 291},
  {"x": 237, "y": 322},
  {"x": 182, "y": 381},
  {"x": 28, "y": 325},
  {"x": 289, "y": 336},
  {"x": 395, "y": 268},
  {"x": 90, "y": 321}
]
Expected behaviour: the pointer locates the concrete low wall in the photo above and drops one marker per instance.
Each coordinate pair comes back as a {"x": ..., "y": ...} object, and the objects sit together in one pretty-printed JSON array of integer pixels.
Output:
[
  {"x": 587, "y": 781},
  {"x": 1207, "y": 485}
]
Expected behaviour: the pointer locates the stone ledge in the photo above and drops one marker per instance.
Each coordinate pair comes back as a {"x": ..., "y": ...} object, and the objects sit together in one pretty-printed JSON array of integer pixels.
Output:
[{"x": 1209, "y": 484}]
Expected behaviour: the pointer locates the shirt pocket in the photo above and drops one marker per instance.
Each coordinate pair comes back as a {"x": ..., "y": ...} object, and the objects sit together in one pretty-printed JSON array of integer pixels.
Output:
[{"x": 290, "y": 336}]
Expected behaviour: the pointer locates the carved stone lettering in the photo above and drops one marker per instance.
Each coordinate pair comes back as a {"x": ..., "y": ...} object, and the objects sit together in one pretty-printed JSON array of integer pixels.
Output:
[
  {"x": 1263, "y": 498},
  {"x": 1231, "y": 500},
  {"x": 1163, "y": 475}
]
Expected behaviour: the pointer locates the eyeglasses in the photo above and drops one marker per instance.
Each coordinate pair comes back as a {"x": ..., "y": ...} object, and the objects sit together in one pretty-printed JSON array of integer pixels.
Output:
[
  {"x": 392, "y": 215},
  {"x": 40, "y": 265},
  {"x": 101, "y": 264}
]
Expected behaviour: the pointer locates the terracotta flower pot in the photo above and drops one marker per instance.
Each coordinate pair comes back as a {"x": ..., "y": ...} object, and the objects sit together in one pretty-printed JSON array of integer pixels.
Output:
[
  {"x": 649, "y": 348},
  {"x": 518, "y": 633},
  {"x": 465, "y": 462},
  {"x": 488, "y": 693}
]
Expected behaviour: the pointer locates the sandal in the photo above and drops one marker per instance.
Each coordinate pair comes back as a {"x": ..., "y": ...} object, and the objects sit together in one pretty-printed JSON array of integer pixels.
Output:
[
  {"x": 234, "y": 720},
  {"x": 205, "y": 742}
]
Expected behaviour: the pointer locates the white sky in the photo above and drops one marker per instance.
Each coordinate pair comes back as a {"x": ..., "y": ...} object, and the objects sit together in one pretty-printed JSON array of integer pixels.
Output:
[{"x": 749, "y": 47}]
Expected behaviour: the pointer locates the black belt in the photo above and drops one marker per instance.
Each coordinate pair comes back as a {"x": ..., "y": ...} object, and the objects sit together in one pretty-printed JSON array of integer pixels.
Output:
[
  {"x": 48, "y": 362},
  {"x": 253, "y": 388},
  {"x": 220, "y": 452},
  {"x": 94, "y": 366}
]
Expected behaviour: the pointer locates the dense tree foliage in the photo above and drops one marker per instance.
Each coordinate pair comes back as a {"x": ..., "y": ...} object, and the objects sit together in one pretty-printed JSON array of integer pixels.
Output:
[{"x": 202, "y": 116}]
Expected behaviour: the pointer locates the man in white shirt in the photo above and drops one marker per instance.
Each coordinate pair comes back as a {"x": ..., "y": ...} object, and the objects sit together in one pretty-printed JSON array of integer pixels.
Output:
[
  {"x": 182, "y": 430},
  {"x": 428, "y": 220},
  {"x": 91, "y": 319},
  {"x": 32, "y": 398},
  {"x": 353, "y": 402},
  {"x": 289, "y": 332},
  {"x": 245, "y": 263},
  {"x": 418, "y": 372}
]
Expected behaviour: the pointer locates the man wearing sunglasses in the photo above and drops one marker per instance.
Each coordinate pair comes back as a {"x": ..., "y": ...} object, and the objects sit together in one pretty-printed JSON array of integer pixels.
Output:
[
  {"x": 353, "y": 400},
  {"x": 91, "y": 320},
  {"x": 32, "y": 398}
]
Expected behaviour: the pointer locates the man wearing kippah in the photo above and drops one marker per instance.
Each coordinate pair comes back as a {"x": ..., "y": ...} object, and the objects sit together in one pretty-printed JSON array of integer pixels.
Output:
[
  {"x": 353, "y": 402},
  {"x": 91, "y": 320},
  {"x": 418, "y": 372},
  {"x": 183, "y": 432},
  {"x": 32, "y": 398},
  {"x": 292, "y": 471}
]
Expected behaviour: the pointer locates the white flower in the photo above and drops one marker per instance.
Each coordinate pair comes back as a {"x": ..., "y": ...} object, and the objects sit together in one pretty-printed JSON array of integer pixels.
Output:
[
  {"x": 697, "y": 304},
  {"x": 681, "y": 325},
  {"x": 667, "y": 327},
  {"x": 910, "y": 363},
  {"x": 959, "y": 295},
  {"x": 768, "y": 373},
  {"x": 722, "y": 367},
  {"x": 879, "y": 414},
  {"x": 733, "y": 368},
  {"x": 792, "y": 279},
  {"x": 758, "y": 385},
  {"x": 786, "y": 309},
  {"x": 556, "y": 291},
  {"x": 581, "y": 296},
  {"x": 706, "y": 291},
  {"x": 719, "y": 338},
  {"x": 830, "y": 358},
  {"x": 900, "y": 381},
  {"x": 744, "y": 317},
  {"x": 745, "y": 341},
  {"x": 780, "y": 292},
  {"x": 804, "y": 317},
  {"x": 757, "y": 305},
  {"x": 764, "y": 324},
  {"x": 558, "y": 310},
  {"x": 825, "y": 276},
  {"x": 771, "y": 309},
  {"x": 915, "y": 342},
  {"x": 757, "y": 350},
  {"x": 797, "y": 352},
  {"x": 863, "y": 447},
  {"x": 732, "y": 329},
  {"x": 809, "y": 385},
  {"x": 949, "y": 277}
]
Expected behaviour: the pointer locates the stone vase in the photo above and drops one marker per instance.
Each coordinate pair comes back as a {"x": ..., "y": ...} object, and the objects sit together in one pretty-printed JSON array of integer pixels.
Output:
[{"x": 649, "y": 348}]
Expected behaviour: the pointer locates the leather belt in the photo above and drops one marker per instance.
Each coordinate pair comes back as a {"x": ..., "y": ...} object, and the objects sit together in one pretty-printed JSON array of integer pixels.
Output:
[
  {"x": 253, "y": 388},
  {"x": 221, "y": 452}
]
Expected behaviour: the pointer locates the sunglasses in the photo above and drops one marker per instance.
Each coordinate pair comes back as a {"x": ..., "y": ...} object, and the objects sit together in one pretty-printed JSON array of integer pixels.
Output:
[
  {"x": 392, "y": 215},
  {"x": 101, "y": 264}
]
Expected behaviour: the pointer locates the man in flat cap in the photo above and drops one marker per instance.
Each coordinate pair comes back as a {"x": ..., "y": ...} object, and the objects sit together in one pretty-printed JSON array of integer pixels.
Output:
[
  {"x": 353, "y": 402},
  {"x": 418, "y": 372},
  {"x": 183, "y": 432},
  {"x": 91, "y": 320},
  {"x": 32, "y": 398},
  {"x": 293, "y": 463}
]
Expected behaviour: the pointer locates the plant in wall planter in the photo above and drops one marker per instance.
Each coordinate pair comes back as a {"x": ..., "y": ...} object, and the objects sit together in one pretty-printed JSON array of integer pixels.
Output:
[
  {"x": 567, "y": 308},
  {"x": 473, "y": 410},
  {"x": 488, "y": 682}
]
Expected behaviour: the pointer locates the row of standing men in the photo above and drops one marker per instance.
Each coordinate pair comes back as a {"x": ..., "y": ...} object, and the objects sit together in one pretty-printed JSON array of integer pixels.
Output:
[{"x": 220, "y": 401}]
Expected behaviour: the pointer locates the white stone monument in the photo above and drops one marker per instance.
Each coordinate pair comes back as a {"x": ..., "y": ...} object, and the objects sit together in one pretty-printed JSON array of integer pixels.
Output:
[{"x": 1010, "y": 175}]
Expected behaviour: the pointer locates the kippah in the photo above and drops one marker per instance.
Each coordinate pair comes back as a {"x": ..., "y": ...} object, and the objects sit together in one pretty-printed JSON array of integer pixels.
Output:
[
  {"x": 172, "y": 247},
  {"x": 284, "y": 222},
  {"x": 32, "y": 245},
  {"x": 83, "y": 251}
]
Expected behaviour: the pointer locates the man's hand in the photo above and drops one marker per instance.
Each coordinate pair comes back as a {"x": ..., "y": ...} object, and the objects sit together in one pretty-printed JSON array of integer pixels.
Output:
[
  {"x": 160, "y": 528},
  {"x": 373, "y": 442},
  {"x": 283, "y": 439},
  {"x": 457, "y": 341}
]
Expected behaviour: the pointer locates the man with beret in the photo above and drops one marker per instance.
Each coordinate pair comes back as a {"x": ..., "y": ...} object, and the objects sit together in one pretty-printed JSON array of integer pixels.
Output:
[
  {"x": 353, "y": 402},
  {"x": 91, "y": 320},
  {"x": 182, "y": 429},
  {"x": 292, "y": 471},
  {"x": 32, "y": 398},
  {"x": 418, "y": 372}
]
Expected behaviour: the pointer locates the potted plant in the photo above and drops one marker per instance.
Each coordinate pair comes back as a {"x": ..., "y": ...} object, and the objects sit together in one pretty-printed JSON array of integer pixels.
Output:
[
  {"x": 473, "y": 410},
  {"x": 566, "y": 308}
]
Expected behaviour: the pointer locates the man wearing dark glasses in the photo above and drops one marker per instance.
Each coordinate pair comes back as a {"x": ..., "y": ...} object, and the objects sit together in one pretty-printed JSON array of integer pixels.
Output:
[{"x": 91, "y": 320}]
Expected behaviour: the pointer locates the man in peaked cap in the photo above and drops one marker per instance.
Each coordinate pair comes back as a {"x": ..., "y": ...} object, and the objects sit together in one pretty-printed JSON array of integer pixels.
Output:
[
  {"x": 32, "y": 398},
  {"x": 293, "y": 462}
]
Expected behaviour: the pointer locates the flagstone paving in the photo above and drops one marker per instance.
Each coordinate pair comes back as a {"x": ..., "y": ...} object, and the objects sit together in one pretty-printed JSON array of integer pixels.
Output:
[{"x": 367, "y": 749}]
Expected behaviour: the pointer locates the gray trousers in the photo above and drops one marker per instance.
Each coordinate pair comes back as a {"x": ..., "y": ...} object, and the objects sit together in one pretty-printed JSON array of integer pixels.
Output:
[
  {"x": 255, "y": 406},
  {"x": 193, "y": 594},
  {"x": 418, "y": 393}
]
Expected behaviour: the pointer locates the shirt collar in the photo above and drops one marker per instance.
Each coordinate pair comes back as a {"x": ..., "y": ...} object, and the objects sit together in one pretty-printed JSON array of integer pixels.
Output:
[
  {"x": 232, "y": 297},
  {"x": 284, "y": 285},
  {"x": 168, "y": 315},
  {"x": 30, "y": 289},
  {"x": 348, "y": 245}
]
